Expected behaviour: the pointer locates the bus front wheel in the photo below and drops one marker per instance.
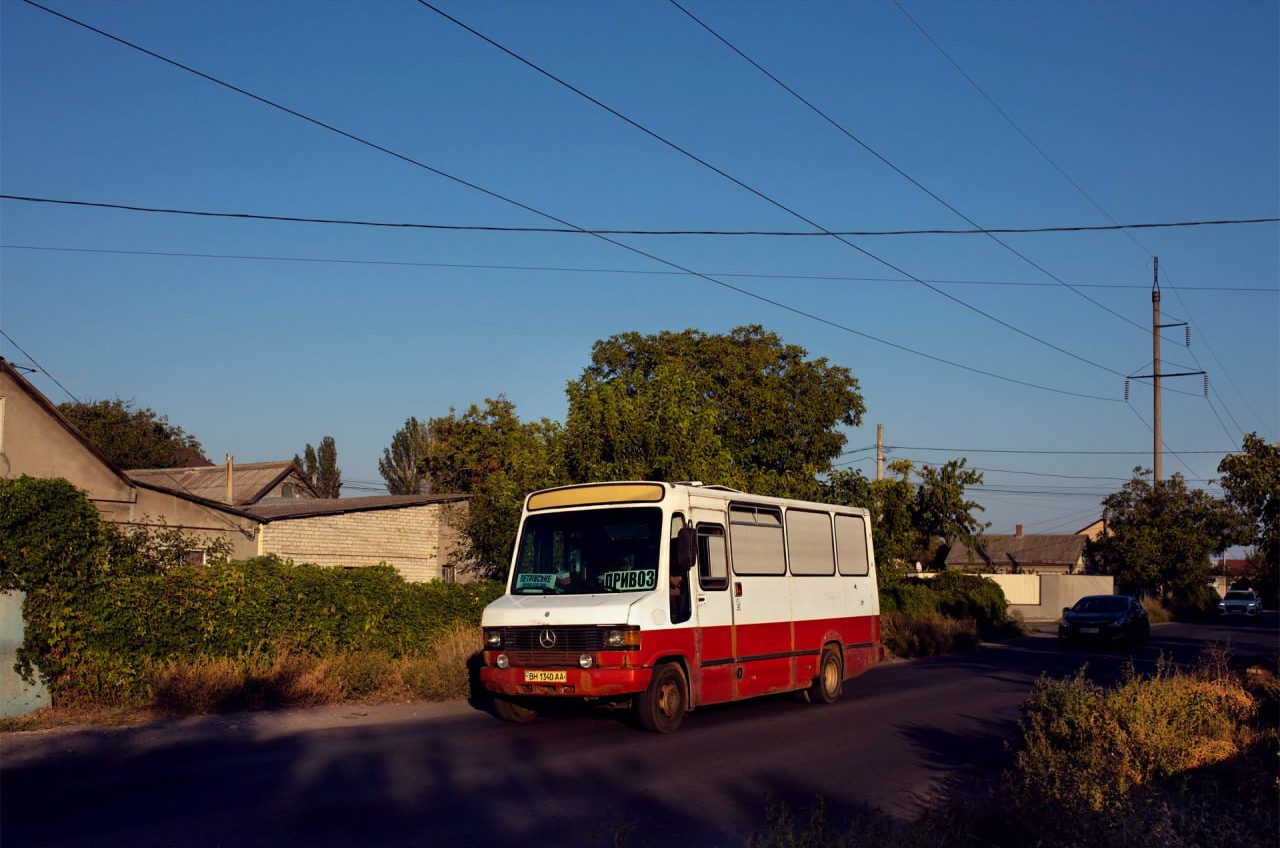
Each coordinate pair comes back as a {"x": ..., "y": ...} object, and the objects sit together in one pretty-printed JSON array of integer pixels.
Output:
[
  {"x": 509, "y": 710},
  {"x": 829, "y": 683},
  {"x": 660, "y": 708}
]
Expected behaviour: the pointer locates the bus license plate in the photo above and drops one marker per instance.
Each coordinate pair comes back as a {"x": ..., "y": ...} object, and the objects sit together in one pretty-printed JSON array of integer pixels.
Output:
[{"x": 546, "y": 677}]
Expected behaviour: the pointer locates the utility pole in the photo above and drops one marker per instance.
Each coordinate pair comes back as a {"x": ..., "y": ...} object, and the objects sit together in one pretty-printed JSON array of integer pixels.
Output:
[
  {"x": 1156, "y": 427},
  {"x": 879, "y": 451},
  {"x": 1157, "y": 423}
]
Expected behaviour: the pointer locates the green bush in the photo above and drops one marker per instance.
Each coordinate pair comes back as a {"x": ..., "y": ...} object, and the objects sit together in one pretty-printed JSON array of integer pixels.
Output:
[
  {"x": 954, "y": 594},
  {"x": 1200, "y": 600},
  {"x": 964, "y": 596},
  {"x": 96, "y": 622},
  {"x": 911, "y": 596}
]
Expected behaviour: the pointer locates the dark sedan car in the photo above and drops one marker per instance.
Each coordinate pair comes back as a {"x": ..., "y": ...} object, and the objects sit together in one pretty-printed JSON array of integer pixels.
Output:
[{"x": 1105, "y": 619}]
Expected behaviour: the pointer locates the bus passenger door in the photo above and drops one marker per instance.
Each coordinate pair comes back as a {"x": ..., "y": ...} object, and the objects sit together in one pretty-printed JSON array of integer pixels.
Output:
[{"x": 712, "y": 603}]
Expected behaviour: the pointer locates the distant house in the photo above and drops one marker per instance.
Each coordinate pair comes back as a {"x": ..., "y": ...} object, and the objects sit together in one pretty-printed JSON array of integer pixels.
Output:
[
  {"x": 37, "y": 440},
  {"x": 238, "y": 485},
  {"x": 418, "y": 534},
  {"x": 1038, "y": 553},
  {"x": 1093, "y": 530},
  {"x": 257, "y": 508}
]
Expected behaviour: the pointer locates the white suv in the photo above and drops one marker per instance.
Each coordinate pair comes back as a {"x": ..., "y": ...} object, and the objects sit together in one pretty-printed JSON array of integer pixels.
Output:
[{"x": 1240, "y": 602}]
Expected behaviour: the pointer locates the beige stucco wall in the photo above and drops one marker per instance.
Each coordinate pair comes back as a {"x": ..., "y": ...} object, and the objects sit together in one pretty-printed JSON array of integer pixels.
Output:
[
  {"x": 34, "y": 443},
  {"x": 197, "y": 522},
  {"x": 417, "y": 540}
]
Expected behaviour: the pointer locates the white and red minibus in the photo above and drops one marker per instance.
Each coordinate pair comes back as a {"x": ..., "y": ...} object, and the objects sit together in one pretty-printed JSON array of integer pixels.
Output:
[{"x": 678, "y": 595}]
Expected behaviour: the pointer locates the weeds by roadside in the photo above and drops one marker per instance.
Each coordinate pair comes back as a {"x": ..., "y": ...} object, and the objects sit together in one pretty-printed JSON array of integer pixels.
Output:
[
  {"x": 284, "y": 679},
  {"x": 1177, "y": 758}
]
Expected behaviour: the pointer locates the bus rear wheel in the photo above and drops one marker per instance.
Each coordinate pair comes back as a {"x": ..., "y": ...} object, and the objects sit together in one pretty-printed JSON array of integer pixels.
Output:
[
  {"x": 660, "y": 708},
  {"x": 829, "y": 683},
  {"x": 509, "y": 710}
]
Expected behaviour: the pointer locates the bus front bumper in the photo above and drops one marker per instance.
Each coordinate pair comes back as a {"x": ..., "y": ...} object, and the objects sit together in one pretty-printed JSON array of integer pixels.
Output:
[{"x": 577, "y": 682}]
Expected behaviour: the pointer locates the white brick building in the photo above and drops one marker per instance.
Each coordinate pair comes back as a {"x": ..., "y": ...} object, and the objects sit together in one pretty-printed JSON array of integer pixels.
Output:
[{"x": 420, "y": 535}]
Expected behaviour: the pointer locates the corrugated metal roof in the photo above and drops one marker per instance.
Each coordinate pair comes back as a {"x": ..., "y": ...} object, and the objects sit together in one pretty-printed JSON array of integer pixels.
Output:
[
  {"x": 284, "y": 508},
  {"x": 251, "y": 480},
  {"x": 1045, "y": 549}
]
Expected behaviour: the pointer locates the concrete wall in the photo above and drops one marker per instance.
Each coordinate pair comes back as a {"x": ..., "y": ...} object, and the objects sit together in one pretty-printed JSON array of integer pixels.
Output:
[
  {"x": 1063, "y": 590},
  {"x": 17, "y": 697},
  {"x": 418, "y": 540},
  {"x": 198, "y": 523}
]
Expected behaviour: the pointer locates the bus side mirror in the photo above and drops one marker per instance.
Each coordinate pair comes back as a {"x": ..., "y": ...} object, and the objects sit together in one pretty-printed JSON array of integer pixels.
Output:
[{"x": 686, "y": 550}]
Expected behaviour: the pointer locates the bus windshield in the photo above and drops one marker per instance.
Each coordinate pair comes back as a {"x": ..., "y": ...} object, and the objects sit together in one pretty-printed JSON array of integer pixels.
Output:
[{"x": 589, "y": 552}]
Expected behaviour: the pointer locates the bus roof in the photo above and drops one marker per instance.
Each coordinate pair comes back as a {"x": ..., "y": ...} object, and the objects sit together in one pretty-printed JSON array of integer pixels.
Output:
[{"x": 648, "y": 491}]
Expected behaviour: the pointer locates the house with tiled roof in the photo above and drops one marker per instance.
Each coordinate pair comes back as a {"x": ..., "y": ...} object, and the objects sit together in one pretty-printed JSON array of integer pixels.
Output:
[{"x": 1033, "y": 553}]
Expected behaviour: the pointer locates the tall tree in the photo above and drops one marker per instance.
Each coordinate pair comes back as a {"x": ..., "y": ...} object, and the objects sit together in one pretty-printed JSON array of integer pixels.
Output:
[
  {"x": 1160, "y": 537},
  {"x": 489, "y": 453},
  {"x": 775, "y": 413},
  {"x": 910, "y": 520},
  {"x": 667, "y": 432},
  {"x": 403, "y": 463},
  {"x": 941, "y": 510},
  {"x": 320, "y": 467},
  {"x": 134, "y": 437},
  {"x": 1251, "y": 480}
]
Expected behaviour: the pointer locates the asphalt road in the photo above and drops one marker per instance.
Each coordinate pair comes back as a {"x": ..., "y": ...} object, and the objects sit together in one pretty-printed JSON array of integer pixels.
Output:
[{"x": 450, "y": 775}]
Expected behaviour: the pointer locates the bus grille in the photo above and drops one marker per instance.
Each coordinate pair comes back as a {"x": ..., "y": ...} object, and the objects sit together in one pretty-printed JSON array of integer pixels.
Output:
[{"x": 553, "y": 640}]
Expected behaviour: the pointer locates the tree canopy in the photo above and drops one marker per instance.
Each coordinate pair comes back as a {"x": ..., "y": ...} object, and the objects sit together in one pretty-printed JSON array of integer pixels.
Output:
[
  {"x": 134, "y": 437},
  {"x": 403, "y": 463},
  {"x": 1160, "y": 537},
  {"x": 909, "y": 521},
  {"x": 320, "y": 467},
  {"x": 1251, "y": 480},
  {"x": 489, "y": 453},
  {"x": 741, "y": 408}
]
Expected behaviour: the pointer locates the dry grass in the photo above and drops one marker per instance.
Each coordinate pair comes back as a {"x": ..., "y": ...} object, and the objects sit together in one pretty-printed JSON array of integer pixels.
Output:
[
  {"x": 1157, "y": 613},
  {"x": 926, "y": 634},
  {"x": 220, "y": 684}
]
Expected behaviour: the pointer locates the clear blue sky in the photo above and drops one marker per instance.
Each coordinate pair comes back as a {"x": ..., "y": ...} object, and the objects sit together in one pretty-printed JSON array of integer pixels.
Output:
[{"x": 1161, "y": 112}]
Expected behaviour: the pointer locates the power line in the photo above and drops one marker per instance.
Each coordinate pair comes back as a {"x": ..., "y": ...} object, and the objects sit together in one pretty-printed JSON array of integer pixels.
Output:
[
  {"x": 776, "y": 203},
  {"x": 573, "y": 270},
  {"x": 1075, "y": 185},
  {"x": 497, "y": 196},
  {"x": 1225, "y": 372},
  {"x": 878, "y": 155},
  {"x": 591, "y": 231},
  {"x": 1164, "y": 444},
  {"x": 43, "y": 370},
  {"x": 1056, "y": 452}
]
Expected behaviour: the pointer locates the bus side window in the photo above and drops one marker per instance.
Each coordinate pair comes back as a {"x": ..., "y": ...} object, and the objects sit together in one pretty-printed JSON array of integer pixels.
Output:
[{"x": 713, "y": 558}]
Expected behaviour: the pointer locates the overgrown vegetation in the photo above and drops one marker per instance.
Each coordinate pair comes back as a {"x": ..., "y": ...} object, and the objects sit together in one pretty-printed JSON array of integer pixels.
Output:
[
  {"x": 104, "y": 610},
  {"x": 951, "y": 611},
  {"x": 1178, "y": 758}
]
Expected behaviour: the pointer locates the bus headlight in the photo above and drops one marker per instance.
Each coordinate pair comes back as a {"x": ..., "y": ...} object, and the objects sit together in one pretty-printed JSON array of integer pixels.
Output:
[
  {"x": 502, "y": 661},
  {"x": 622, "y": 639},
  {"x": 493, "y": 639},
  {"x": 585, "y": 661}
]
